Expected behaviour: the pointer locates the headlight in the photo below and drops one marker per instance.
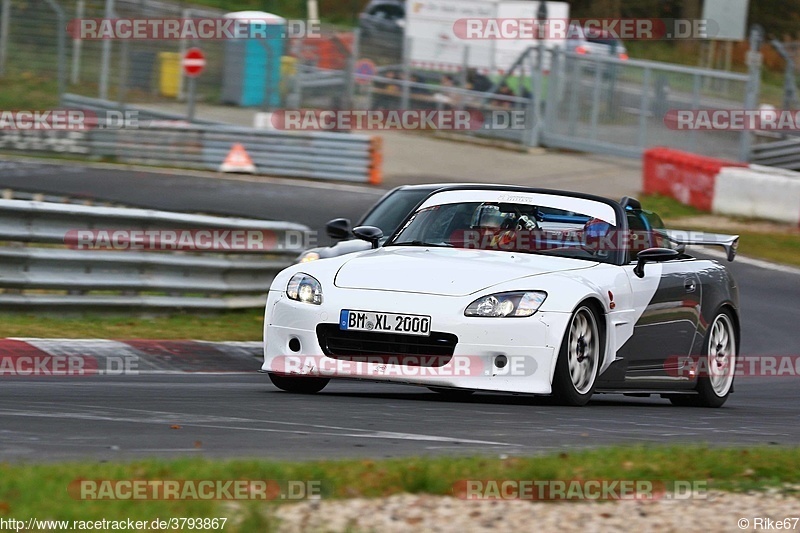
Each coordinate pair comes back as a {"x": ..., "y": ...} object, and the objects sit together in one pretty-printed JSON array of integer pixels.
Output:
[
  {"x": 304, "y": 288},
  {"x": 507, "y": 304},
  {"x": 308, "y": 257}
]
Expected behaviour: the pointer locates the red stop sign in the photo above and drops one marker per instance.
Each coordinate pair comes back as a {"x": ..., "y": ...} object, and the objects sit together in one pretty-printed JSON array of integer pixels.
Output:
[{"x": 194, "y": 61}]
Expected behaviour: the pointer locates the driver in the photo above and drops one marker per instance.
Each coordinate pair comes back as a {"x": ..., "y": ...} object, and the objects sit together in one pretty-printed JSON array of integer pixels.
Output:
[
  {"x": 489, "y": 216},
  {"x": 501, "y": 226}
]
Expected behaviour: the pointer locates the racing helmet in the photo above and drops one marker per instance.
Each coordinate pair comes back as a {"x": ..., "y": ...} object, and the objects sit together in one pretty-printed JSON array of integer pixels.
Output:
[{"x": 488, "y": 216}]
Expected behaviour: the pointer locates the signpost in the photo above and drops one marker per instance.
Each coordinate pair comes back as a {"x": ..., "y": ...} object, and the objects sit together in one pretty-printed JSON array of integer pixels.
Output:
[
  {"x": 194, "y": 61},
  {"x": 365, "y": 70}
]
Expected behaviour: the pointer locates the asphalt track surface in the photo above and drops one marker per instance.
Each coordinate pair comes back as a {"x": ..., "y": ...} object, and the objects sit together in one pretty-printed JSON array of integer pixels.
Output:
[
  {"x": 242, "y": 414},
  {"x": 304, "y": 202}
]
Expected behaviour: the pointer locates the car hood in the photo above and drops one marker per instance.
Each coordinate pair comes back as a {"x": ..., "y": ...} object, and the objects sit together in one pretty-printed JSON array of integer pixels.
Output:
[{"x": 446, "y": 272}]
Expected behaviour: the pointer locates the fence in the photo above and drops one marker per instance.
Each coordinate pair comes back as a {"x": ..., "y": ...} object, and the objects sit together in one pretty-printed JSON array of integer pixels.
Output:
[
  {"x": 579, "y": 102},
  {"x": 593, "y": 103},
  {"x": 137, "y": 71},
  {"x": 609, "y": 105},
  {"x": 782, "y": 149},
  {"x": 38, "y": 270}
]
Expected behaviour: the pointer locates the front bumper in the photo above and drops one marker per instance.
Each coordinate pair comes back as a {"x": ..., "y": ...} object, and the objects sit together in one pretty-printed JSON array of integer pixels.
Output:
[{"x": 530, "y": 345}]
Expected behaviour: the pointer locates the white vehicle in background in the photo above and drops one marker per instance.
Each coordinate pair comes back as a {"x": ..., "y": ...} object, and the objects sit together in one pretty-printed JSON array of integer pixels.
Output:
[
  {"x": 436, "y": 44},
  {"x": 590, "y": 44}
]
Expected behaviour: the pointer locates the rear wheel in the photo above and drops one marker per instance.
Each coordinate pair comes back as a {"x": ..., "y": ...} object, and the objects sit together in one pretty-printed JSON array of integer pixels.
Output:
[
  {"x": 579, "y": 359},
  {"x": 717, "y": 373},
  {"x": 299, "y": 385}
]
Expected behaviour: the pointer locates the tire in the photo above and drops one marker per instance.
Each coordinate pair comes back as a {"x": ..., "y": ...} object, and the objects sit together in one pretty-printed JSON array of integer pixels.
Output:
[
  {"x": 454, "y": 394},
  {"x": 720, "y": 350},
  {"x": 579, "y": 359},
  {"x": 683, "y": 400},
  {"x": 298, "y": 385}
]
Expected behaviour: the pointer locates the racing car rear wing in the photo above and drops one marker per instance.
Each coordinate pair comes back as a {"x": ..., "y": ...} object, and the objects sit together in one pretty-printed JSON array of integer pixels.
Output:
[{"x": 730, "y": 243}]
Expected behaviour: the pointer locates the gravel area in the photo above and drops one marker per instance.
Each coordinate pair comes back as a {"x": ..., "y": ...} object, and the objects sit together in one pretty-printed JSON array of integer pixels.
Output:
[{"x": 720, "y": 511}]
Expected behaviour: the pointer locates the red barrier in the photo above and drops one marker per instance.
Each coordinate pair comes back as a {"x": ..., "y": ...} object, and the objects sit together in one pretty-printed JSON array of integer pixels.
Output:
[
  {"x": 689, "y": 178},
  {"x": 324, "y": 52}
]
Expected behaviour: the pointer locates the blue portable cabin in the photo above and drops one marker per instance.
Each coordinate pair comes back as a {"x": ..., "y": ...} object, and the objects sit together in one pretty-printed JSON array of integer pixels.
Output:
[{"x": 252, "y": 69}]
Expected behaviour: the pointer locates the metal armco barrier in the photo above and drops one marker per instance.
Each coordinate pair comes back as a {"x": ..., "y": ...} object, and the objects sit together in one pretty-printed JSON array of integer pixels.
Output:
[
  {"x": 52, "y": 277},
  {"x": 784, "y": 153},
  {"x": 166, "y": 140},
  {"x": 99, "y": 106},
  {"x": 324, "y": 156}
]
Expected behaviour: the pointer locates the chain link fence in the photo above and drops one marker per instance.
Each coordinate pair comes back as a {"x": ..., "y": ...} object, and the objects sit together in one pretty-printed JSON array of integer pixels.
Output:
[
  {"x": 623, "y": 107},
  {"x": 120, "y": 70},
  {"x": 30, "y": 44},
  {"x": 149, "y": 71}
]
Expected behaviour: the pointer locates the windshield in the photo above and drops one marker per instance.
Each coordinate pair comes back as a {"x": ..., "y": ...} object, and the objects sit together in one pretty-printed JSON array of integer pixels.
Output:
[
  {"x": 394, "y": 209},
  {"x": 511, "y": 227}
]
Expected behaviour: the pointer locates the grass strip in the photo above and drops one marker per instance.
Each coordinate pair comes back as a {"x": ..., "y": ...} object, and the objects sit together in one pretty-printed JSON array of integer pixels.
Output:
[
  {"x": 768, "y": 241},
  {"x": 42, "y": 490},
  {"x": 244, "y": 325}
]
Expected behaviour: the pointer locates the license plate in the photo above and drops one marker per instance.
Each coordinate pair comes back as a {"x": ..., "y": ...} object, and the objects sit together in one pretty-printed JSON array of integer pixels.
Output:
[{"x": 385, "y": 322}]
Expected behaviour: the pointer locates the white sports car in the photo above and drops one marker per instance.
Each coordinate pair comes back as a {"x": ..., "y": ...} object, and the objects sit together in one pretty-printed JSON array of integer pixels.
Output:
[{"x": 510, "y": 289}]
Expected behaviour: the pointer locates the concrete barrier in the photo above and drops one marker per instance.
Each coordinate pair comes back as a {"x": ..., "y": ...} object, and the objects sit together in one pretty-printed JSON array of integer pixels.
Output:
[
  {"x": 689, "y": 178},
  {"x": 723, "y": 187},
  {"x": 758, "y": 192}
]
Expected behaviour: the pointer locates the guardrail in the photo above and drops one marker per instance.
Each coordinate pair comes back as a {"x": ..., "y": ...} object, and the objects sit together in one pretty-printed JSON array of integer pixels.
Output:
[
  {"x": 43, "y": 267},
  {"x": 100, "y": 106},
  {"x": 164, "y": 139},
  {"x": 331, "y": 156},
  {"x": 783, "y": 153}
]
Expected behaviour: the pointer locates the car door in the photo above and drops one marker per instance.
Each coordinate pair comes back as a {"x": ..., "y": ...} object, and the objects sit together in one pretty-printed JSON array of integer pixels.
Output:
[{"x": 668, "y": 300}]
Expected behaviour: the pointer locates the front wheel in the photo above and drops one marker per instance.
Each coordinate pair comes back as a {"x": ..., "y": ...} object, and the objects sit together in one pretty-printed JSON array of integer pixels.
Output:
[
  {"x": 716, "y": 379},
  {"x": 299, "y": 385},
  {"x": 578, "y": 360}
]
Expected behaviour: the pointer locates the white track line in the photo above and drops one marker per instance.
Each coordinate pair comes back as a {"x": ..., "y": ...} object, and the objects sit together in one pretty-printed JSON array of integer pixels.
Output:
[{"x": 301, "y": 429}]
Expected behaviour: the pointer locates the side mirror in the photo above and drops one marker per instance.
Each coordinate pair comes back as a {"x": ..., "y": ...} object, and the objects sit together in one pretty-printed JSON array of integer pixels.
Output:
[
  {"x": 338, "y": 229},
  {"x": 653, "y": 255},
  {"x": 370, "y": 234}
]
